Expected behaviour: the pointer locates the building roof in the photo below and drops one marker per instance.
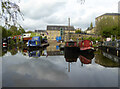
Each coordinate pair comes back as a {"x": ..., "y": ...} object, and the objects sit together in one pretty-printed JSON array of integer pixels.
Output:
[
  {"x": 52, "y": 27},
  {"x": 113, "y": 14},
  {"x": 40, "y": 30}
]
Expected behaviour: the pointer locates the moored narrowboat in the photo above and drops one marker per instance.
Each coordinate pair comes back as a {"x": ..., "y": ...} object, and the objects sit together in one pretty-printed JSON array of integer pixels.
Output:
[
  {"x": 85, "y": 45},
  {"x": 35, "y": 42},
  {"x": 4, "y": 42},
  {"x": 71, "y": 46}
]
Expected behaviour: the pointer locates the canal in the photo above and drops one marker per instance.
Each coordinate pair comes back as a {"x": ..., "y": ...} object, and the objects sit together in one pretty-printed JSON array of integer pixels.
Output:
[{"x": 51, "y": 67}]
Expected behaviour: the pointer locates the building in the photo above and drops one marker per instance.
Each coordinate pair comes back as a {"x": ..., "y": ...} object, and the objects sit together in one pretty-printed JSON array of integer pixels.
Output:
[
  {"x": 90, "y": 30},
  {"x": 56, "y": 31},
  {"x": 79, "y": 36},
  {"x": 42, "y": 33},
  {"x": 107, "y": 17}
]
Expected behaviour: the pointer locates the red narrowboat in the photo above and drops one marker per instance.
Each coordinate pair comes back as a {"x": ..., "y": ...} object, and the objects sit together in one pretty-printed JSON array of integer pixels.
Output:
[{"x": 85, "y": 45}]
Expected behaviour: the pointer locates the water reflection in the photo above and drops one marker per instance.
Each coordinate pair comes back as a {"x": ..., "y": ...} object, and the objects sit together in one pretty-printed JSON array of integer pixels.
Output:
[
  {"x": 49, "y": 67},
  {"x": 86, "y": 58},
  {"x": 106, "y": 60},
  {"x": 71, "y": 55}
]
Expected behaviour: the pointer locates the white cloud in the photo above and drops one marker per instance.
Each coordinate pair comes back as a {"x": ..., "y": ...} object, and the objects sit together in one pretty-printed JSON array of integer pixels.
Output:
[{"x": 39, "y": 13}]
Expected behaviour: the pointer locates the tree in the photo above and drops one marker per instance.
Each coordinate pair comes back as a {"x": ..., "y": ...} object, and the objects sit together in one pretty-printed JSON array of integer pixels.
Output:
[
  {"x": 9, "y": 33},
  {"x": 91, "y": 25},
  {"x": 78, "y": 31},
  {"x": 4, "y": 32},
  {"x": 108, "y": 26},
  {"x": 13, "y": 29},
  {"x": 10, "y": 12},
  {"x": 21, "y": 30},
  {"x": 29, "y": 32}
]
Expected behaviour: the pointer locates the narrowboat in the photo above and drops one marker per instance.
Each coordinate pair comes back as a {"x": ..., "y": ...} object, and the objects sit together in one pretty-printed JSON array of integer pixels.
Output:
[
  {"x": 85, "y": 45},
  {"x": 26, "y": 37},
  {"x": 71, "y": 47},
  {"x": 71, "y": 44},
  {"x": 4, "y": 42},
  {"x": 35, "y": 42}
]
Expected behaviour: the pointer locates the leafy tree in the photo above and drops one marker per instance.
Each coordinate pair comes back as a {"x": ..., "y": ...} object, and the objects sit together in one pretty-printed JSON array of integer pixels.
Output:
[
  {"x": 10, "y": 12},
  {"x": 4, "y": 32},
  {"x": 29, "y": 32},
  {"x": 78, "y": 31},
  {"x": 91, "y": 25},
  {"x": 9, "y": 33},
  {"x": 13, "y": 29},
  {"x": 108, "y": 26},
  {"x": 21, "y": 30}
]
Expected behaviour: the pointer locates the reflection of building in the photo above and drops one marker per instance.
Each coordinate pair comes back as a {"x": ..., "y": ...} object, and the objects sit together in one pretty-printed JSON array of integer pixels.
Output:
[
  {"x": 56, "y": 31},
  {"x": 53, "y": 50}
]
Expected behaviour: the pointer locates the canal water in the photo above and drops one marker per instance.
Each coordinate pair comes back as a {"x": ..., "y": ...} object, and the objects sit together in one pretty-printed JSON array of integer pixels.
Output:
[{"x": 50, "y": 67}]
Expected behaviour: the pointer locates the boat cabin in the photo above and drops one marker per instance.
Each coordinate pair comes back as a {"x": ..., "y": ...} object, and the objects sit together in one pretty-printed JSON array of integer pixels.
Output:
[
  {"x": 71, "y": 44},
  {"x": 85, "y": 44},
  {"x": 36, "y": 41}
]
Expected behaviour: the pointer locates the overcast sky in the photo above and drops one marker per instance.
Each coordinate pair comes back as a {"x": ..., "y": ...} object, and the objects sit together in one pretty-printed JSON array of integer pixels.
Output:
[{"x": 40, "y": 13}]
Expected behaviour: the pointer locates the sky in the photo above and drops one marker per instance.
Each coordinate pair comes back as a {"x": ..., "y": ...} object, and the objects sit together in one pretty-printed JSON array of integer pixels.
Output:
[{"x": 40, "y": 13}]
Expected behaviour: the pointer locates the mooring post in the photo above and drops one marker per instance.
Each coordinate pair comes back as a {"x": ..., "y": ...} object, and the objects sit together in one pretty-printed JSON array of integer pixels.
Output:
[
  {"x": 117, "y": 53},
  {"x": 107, "y": 49}
]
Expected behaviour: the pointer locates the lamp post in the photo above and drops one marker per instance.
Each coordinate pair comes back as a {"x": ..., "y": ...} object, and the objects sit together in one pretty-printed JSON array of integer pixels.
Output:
[{"x": 69, "y": 28}]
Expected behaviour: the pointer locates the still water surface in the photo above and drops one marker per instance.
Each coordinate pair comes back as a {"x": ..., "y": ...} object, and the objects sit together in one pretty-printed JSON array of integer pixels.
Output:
[{"x": 50, "y": 67}]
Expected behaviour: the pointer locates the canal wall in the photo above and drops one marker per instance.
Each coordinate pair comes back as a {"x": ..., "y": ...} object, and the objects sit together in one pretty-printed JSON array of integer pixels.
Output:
[{"x": 111, "y": 50}]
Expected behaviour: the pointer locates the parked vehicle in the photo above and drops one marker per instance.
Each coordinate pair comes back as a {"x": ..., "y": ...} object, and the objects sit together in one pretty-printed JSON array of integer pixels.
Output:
[{"x": 36, "y": 41}]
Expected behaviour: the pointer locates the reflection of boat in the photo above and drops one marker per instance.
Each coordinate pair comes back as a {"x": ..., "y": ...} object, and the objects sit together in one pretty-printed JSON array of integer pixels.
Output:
[
  {"x": 70, "y": 56},
  {"x": 34, "y": 53},
  {"x": 86, "y": 58},
  {"x": 85, "y": 45}
]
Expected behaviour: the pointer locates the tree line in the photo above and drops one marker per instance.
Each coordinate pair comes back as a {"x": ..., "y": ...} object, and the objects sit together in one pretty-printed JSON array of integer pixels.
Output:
[{"x": 12, "y": 31}]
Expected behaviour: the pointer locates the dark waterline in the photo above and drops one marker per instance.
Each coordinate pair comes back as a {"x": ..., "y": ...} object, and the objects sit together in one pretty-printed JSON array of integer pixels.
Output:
[{"x": 55, "y": 68}]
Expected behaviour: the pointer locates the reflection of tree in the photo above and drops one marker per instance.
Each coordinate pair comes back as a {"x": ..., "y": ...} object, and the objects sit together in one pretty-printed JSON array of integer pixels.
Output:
[
  {"x": 100, "y": 59},
  {"x": 13, "y": 50},
  {"x": 3, "y": 51}
]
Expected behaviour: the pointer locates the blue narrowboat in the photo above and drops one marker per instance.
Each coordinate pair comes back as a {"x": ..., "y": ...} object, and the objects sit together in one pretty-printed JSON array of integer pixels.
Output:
[{"x": 35, "y": 42}]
